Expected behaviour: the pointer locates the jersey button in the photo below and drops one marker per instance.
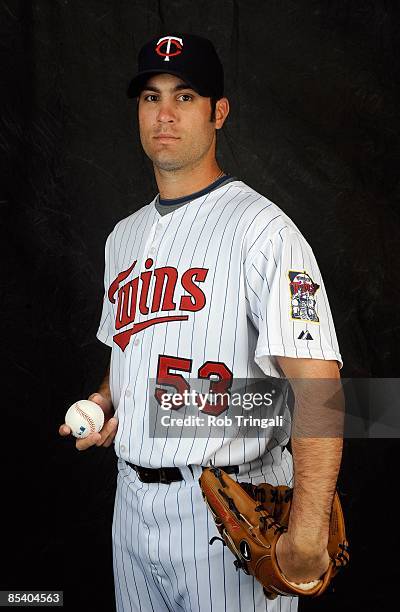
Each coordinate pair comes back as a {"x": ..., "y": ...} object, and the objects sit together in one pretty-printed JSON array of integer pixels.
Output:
[
  {"x": 152, "y": 251},
  {"x": 128, "y": 393},
  {"x": 136, "y": 341},
  {"x": 123, "y": 448}
]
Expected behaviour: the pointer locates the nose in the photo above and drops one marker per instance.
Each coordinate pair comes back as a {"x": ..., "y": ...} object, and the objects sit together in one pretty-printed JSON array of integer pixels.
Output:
[{"x": 166, "y": 112}]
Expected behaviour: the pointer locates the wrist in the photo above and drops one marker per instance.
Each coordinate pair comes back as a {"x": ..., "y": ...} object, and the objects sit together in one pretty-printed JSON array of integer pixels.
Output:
[{"x": 308, "y": 543}]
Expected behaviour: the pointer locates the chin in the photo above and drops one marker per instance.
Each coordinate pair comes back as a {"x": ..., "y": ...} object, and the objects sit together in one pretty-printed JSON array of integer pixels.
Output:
[{"x": 167, "y": 163}]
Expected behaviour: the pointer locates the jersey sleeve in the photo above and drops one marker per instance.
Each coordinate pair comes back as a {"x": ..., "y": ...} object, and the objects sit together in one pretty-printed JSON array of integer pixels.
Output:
[
  {"x": 105, "y": 330},
  {"x": 287, "y": 302}
]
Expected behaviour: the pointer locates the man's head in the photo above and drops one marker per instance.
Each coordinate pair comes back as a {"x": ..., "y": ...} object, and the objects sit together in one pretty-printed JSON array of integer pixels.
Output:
[
  {"x": 179, "y": 91},
  {"x": 176, "y": 130}
]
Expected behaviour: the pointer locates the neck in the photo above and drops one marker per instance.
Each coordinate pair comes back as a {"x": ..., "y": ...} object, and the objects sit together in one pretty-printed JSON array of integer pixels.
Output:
[{"x": 182, "y": 182}]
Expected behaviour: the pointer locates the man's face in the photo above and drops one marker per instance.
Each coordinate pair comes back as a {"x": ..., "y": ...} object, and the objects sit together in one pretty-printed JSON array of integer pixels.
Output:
[{"x": 174, "y": 123}]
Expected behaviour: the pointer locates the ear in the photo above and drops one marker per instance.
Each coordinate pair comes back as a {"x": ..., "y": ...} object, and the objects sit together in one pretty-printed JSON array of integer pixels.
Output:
[{"x": 221, "y": 112}]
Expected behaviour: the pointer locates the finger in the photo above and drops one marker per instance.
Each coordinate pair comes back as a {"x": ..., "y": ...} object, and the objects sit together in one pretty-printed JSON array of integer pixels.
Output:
[
  {"x": 90, "y": 440},
  {"x": 108, "y": 442},
  {"x": 109, "y": 429},
  {"x": 110, "y": 438},
  {"x": 64, "y": 430}
]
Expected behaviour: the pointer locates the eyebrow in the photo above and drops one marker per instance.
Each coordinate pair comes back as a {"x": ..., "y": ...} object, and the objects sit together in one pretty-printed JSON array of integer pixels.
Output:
[{"x": 176, "y": 88}]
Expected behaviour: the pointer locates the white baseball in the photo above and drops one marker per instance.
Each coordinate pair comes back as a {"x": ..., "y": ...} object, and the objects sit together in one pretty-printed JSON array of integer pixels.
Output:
[{"x": 84, "y": 417}]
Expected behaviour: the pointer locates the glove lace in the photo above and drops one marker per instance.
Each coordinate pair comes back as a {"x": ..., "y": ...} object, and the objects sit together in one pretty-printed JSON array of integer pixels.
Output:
[{"x": 267, "y": 522}]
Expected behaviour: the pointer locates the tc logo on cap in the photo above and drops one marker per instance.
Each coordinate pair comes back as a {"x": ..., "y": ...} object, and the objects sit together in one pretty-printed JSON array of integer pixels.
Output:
[{"x": 169, "y": 40}]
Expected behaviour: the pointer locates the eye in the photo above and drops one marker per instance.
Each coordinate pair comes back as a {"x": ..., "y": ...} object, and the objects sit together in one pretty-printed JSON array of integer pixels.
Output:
[
  {"x": 150, "y": 97},
  {"x": 186, "y": 97}
]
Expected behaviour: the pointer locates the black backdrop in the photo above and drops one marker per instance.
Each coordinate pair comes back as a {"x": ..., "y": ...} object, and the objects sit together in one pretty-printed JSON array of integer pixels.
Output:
[{"x": 314, "y": 91}]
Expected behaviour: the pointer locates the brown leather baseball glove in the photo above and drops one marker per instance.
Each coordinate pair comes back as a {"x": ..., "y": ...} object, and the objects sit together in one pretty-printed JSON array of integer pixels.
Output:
[{"x": 251, "y": 518}]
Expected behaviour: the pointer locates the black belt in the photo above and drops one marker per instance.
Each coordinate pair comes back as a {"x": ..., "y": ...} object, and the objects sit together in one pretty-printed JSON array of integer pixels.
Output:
[{"x": 170, "y": 474}]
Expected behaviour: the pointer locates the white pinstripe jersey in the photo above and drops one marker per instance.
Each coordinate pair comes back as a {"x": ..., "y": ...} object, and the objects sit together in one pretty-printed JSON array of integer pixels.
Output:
[{"x": 227, "y": 278}]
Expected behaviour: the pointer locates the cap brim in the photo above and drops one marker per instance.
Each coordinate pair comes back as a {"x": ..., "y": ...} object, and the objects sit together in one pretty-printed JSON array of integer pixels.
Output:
[{"x": 138, "y": 82}]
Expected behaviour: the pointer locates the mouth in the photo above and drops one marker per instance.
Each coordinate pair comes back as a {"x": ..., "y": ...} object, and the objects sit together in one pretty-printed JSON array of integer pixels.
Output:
[{"x": 165, "y": 138}]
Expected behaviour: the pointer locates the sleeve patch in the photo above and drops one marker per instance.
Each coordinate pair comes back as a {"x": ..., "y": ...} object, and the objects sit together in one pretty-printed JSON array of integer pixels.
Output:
[{"x": 302, "y": 296}]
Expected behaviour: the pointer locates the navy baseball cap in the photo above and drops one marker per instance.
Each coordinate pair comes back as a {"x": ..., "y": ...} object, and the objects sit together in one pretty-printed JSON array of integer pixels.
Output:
[{"x": 188, "y": 56}]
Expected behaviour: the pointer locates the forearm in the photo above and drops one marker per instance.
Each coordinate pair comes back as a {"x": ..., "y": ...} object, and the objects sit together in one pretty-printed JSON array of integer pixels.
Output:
[
  {"x": 316, "y": 468},
  {"x": 317, "y": 445}
]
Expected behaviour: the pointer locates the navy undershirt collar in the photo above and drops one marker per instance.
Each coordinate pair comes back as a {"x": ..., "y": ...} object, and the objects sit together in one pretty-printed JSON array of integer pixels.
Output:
[{"x": 192, "y": 196}]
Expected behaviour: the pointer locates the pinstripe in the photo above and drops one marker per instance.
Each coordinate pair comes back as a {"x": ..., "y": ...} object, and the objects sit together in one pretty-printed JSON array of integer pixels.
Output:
[
  {"x": 126, "y": 262},
  {"x": 136, "y": 221},
  {"x": 218, "y": 598},
  {"x": 245, "y": 244},
  {"x": 152, "y": 331},
  {"x": 138, "y": 556},
  {"x": 181, "y": 538},
  {"x": 141, "y": 233},
  {"x": 121, "y": 486},
  {"x": 151, "y": 593},
  {"x": 186, "y": 209},
  {"x": 223, "y": 573},
  {"x": 106, "y": 320},
  {"x": 133, "y": 570},
  {"x": 251, "y": 288},
  {"x": 228, "y": 275},
  {"x": 279, "y": 306},
  {"x": 180, "y": 323},
  {"x": 271, "y": 466},
  {"x": 261, "y": 233},
  {"x": 158, "y": 590},
  {"x": 229, "y": 269},
  {"x": 169, "y": 549},
  {"x": 204, "y": 258},
  {"x": 126, "y": 590},
  {"x": 239, "y": 592},
  {"x": 125, "y": 530},
  {"x": 252, "y": 312},
  {"x": 118, "y": 591},
  {"x": 157, "y": 407},
  {"x": 291, "y": 267},
  {"x": 191, "y": 260},
  {"x": 126, "y": 224},
  {"x": 208, "y": 519},
  {"x": 134, "y": 400},
  {"x": 223, "y": 312},
  {"x": 258, "y": 272},
  {"x": 254, "y": 599},
  {"x": 143, "y": 517},
  {"x": 203, "y": 263},
  {"x": 194, "y": 548}
]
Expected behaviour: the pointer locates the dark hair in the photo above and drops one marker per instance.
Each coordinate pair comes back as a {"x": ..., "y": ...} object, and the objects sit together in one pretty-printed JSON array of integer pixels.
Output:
[{"x": 213, "y": 106}]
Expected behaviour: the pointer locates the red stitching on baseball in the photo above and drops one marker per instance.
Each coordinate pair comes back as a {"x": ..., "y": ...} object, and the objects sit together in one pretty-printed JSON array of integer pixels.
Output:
[{"x": 87, "y": 417}]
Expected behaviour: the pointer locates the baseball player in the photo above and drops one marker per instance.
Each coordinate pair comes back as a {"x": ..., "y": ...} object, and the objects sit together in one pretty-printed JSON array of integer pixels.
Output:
[{"x": 209, "y": 281}]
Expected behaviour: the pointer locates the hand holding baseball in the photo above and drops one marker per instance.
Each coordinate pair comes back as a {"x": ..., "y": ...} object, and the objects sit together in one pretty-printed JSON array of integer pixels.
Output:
[{"x": 103, "y": 437}]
